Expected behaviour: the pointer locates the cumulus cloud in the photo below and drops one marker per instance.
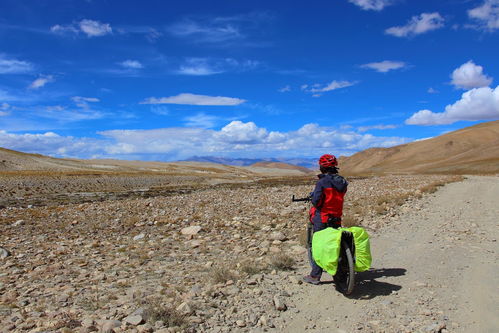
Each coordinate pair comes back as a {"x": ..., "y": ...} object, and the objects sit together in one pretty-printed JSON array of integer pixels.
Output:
[
  {"x": 486, "y": 15},
  {"x": 192, "y": 99},
  {"x": 432, "y": 91},
  {"x": 285, "y": 89},
  {"x": 132, "y": 64},
  {"x": 469, "y": 76},
  {"x": 384, "y": 66},
  {"x": 90, "y": 28},
  {"x": 317, "y": 89},
  {"x": 475, "y": 104},
  {"x": 41, "y": 82},
  {"x": 14, "y": 66},
  {"x": 233, "y": 139},
  {"x": 417, "y": 25},
  {"x": 376, "y": 5}
]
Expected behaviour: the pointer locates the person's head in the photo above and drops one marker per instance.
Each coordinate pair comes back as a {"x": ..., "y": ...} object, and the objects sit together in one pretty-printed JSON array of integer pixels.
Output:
[{"x": 328, "y": 164}]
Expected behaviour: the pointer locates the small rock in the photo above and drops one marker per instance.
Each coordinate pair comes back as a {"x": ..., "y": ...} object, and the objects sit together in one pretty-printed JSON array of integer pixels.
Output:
[
  {"x": 279, "y": 236},
  {"x": 184, "y": 308},
  {"x": 109, "y": 325},
  {"x": 18, "y": 223},
  {"x": 279, "y": 304},
  {"x": 4, "y": 253},
  {"x": 294, "y": 280},
  {"x": 139, "y": 237},
  {"x": 192, "y": 230},
  {"x": 134, "y": 320},
  {"x": 240, "y": 323},
  {"x": 146, "y": 328}
]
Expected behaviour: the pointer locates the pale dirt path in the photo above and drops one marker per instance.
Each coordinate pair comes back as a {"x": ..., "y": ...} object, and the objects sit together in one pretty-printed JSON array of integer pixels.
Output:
[{"x": 435, "y": 269}]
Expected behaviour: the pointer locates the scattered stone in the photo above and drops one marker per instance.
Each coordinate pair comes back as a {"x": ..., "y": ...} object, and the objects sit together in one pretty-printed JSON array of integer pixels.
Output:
[
  {"x": 108, "y": 326},
  {"x": 139, "y": 237},
  {"x": 240, "y": 323},
  {"x": 4, "y": 253},
  {"x": 134, "y": 320},
  {"x": 279, "y": 304},
  {"x": 278, "y": 236},
  {"x": 192, "y": 230},
  {"x": 18, "y": 223}
]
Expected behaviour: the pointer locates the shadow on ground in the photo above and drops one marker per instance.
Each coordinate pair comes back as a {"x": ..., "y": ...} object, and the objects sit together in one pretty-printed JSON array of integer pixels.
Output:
[{"x": 367, "y": 287}]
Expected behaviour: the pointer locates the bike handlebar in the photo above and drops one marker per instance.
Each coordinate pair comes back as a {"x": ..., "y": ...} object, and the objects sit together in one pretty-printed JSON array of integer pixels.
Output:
[{"x": 293, "y": 199}]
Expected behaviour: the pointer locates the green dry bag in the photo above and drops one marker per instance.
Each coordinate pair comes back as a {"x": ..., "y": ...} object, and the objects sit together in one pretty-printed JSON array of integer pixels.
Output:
[
  {"x": 326, "y": 249},
  {"x": 362, "y": 249}
]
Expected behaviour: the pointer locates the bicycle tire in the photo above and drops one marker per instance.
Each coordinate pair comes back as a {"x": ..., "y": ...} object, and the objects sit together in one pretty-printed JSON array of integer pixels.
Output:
[{"x": 344, "y": 279}]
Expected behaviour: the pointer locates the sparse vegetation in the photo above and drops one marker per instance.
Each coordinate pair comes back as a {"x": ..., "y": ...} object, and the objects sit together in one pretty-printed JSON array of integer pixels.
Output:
[
  {"x": 222, "y": 274},
  {"x": 282, "y": 262},
  {"x": 157, "y": 310}
]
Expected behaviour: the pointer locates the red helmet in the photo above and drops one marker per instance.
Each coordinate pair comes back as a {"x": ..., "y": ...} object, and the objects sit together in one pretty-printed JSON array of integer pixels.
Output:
[{"x": 328, "y": 161}]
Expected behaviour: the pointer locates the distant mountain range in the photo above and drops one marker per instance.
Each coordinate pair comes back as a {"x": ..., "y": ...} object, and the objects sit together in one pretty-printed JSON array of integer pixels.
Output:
[{"x": 309, "y": 163}]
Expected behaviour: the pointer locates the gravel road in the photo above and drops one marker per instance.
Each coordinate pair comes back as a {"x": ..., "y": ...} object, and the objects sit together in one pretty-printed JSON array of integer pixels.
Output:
[{"x": 435, "y": 269}]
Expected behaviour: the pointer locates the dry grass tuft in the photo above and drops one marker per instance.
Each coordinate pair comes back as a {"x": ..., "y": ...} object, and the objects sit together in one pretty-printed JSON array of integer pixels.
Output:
[
  {"x": 282, "y": 262},
  {"x": 251, "y": 268},
  {"x": 222, "y": 274},
  {"x": 156, "y": 310}
]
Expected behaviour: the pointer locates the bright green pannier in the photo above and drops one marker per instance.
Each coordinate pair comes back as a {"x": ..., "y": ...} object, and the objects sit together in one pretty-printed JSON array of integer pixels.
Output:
[
  {"x": 362, "y": 249},
  {"x": 326, "y": 248}
]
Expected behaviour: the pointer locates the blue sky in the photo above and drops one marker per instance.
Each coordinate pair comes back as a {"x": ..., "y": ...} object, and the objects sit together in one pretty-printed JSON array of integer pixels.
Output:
[{"x": 166, "y": 80}]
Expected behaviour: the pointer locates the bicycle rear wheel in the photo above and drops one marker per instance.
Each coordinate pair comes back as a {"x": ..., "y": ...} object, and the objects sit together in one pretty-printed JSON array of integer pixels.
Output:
[{"x": 345, "y": 274}]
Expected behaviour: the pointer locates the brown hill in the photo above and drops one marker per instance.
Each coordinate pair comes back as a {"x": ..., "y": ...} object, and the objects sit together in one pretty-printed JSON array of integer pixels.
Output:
[
  {"x": 280, "y": 165},
  {"x": 472, "y": 149}
]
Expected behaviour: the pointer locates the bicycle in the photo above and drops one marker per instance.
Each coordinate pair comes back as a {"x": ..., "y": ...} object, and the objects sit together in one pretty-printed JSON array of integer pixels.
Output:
[{"x": 344, "y": 279}]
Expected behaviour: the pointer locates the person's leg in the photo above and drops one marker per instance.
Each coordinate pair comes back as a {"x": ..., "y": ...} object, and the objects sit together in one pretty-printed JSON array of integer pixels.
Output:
[
  {"x": 316, "y": 273},
  {"x": 318, "y": 226}
]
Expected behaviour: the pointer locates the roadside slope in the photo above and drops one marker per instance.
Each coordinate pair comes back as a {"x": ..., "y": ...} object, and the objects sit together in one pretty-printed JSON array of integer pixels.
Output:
[{"x": 435, "y": 270}]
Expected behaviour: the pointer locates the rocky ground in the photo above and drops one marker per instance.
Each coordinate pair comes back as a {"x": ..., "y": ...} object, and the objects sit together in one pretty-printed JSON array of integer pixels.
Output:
[{"x": 220, "y": 260}]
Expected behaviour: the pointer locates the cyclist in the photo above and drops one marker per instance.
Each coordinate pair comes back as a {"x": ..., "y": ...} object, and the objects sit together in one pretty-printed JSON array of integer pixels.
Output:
[{"x": 327, "y": 201}]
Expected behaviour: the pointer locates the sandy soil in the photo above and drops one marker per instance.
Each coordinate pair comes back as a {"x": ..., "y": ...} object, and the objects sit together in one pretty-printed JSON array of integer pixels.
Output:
[{"x": 435, "y": 270}]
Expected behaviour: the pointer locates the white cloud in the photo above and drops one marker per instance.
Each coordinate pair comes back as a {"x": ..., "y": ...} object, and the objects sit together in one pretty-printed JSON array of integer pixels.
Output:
[
  {"x": 41, "y": 82},
  {"x": 95, "y": 28},
  {"x": 192, "y": 99},
  {"x": 377, "y": 127},
  {"x": 198, "y": 67},
  {"x": 469, "y": 76},
  {"x": 201, "y": 120},
  {"x": 160, "y": 110},
  {"x": 14, "y": 66},
  {"x": 237, "y": 138},
  {"x": 432, "y": 91},
  {"x": 132, "y": 64},
  {"x": 486, "y": 15},
  {"x": 211, "y": 31},
  {"x": 90, "y": 28},
  {"x": 385, "y": 66},
  {"x": 285, "y": 89},
  {"x": 79, "y": 99},
  {"x": 4, "y": 109},
  {"x": 376, "y": 5},
  {"x": 317, "y": 88},
  {"x": 238, "y": 132},
  {"x": 476, "y": 104},
  {"x": 210, "y": 66},
  {"x": 418, "y": 25}
]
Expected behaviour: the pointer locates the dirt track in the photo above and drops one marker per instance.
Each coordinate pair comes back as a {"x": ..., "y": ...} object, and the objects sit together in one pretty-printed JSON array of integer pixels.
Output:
[{"x": 434, "y": 270}]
